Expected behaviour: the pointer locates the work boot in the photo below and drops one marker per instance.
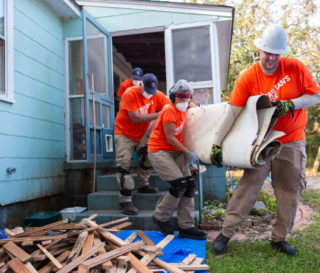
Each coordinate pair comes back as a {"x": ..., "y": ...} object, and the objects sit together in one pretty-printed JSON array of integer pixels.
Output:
[
  {"x": 192, "y": 233},
  {"x": 220, "y": 244},
  {"x": 128, "y": 208},
  {"x": 147, "y": 189},
  {"x": 164, "y": 227},
  {"x": 285, "y": 247}
]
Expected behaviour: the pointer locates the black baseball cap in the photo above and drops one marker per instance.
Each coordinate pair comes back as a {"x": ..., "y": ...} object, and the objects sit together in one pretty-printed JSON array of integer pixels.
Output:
[
  {"x": 137, "y": 73},
  {"x": 150, "y": 83}
]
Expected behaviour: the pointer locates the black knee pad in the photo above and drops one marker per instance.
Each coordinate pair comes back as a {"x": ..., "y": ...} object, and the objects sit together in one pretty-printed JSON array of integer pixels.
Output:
[
  {"x": 177, "y": 185},
  {"x": 126, "y": 192},
  {"x": 125, "y": 186},
  {"x": 191, "y": 186},
  {"x": 144, "y": 162}
]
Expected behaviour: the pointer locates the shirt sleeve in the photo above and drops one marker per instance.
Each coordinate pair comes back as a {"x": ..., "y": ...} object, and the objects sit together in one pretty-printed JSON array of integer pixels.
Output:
[
  {"x": 169, "y": 116},
  {"x": 308, "y": 83},
  {"x": 240, "y": 92},
  {"x": 129, "y": 101}
]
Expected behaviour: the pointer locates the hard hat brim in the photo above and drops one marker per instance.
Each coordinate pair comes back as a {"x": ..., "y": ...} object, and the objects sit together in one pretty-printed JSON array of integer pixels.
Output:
[{"x": 259, "y": 44}]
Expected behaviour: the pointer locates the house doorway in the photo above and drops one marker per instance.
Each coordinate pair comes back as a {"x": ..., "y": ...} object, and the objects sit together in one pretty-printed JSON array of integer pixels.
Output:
[{"x": 144, "y": 50}]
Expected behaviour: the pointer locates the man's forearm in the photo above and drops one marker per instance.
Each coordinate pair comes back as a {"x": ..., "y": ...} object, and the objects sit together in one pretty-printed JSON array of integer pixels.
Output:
[
  {"x": 225, "y": 124},
  {"x": 306, "y": 100}
]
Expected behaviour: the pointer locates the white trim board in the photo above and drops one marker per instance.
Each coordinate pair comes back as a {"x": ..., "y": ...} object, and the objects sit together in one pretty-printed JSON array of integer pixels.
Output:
[{"x": 202, "y": 9}]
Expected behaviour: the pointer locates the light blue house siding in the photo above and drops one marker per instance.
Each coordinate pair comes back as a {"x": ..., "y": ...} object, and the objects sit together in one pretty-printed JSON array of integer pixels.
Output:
[{"x": 32, "y": 135}]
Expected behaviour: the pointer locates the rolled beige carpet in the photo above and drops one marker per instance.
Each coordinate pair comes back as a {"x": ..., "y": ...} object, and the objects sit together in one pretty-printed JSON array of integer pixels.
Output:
[{"x": 250, "y": 143}]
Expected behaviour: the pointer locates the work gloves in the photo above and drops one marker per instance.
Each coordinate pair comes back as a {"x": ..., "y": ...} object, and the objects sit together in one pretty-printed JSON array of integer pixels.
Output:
[
  {"x": 216, "y": 156},
  {"x": 283, "y": 107},
  {"x": 193, "y": 157}
]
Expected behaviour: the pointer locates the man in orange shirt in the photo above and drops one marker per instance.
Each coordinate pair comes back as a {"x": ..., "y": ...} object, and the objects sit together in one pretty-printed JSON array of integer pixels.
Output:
[
  {"x": 168, "y": 157},
  {"x": 135, "y": 80},
  {"x": 139, "y": 106},
  {"x": 292, "y": 88}
]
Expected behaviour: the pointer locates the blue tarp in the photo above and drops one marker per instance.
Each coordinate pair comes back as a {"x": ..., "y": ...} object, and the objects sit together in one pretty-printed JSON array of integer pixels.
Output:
[{"x": 174, "y": 252}]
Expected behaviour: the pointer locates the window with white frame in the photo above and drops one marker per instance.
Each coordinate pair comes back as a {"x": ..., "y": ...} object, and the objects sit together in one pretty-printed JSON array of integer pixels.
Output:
[{"x": 6, "y": 50}]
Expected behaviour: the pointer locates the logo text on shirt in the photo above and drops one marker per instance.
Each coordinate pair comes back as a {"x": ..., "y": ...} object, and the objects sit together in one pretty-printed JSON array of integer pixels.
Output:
[{"x": 273, "y": 93}]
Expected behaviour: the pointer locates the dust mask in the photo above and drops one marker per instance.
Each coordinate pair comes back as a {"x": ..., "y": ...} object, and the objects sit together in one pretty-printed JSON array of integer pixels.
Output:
[
  {"x": 136, "y": 82},
  {"x": 182, "y": 106},
  {"x": 147, "y": 95}
]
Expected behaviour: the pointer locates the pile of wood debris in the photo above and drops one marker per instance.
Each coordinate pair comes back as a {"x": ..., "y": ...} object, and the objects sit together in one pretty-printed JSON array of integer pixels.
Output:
[{"x": 86, "y": 247}]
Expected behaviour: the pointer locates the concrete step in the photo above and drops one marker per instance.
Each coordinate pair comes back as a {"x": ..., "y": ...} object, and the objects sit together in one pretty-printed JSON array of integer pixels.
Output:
[
  {"x": 141, "y": 221},
  {"x": 109, "y": 200},
  {"x": 109, "y": 182}
]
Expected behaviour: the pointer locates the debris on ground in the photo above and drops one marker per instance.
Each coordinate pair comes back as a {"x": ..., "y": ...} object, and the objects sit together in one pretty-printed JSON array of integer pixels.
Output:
[{"x": 87, "y": 247}]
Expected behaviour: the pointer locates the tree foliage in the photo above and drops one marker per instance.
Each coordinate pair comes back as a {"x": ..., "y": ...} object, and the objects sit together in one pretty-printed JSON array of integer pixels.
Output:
[{"x": 298, "y": 18}]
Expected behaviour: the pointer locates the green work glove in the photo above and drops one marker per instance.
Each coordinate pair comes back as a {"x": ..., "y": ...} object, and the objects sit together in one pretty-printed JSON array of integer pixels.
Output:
[
  {"x": 283, "y": 107},
  {"x": 216, "y": 156}
]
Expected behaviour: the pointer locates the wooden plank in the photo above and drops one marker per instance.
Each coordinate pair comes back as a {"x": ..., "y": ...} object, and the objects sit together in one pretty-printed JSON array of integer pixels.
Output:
[
  {"x": 48, "y": 268},
  {"x": 77, "y": 246},
  {"x": 17, "y": 252},
  {"x": 107, "y": 264},
  {"x": 43, "y": 228},
  {"x": 197, "y": 261},
  {"x": 81, "y": 259},
  {"x": 135, "y": 263},
  {"x": 31, "y": 268},
  {"x": 88, "y": 243},
  {"x": 189, "y": 259},
  {"x": 167, "y": 266},
  {"x": 111, "y": 254},
  {"x": 17, "y": 266},
  {"x": 50, "y": 256},
  {"x": 123, "y": 225},
  {"x": 39, "y": 238},
  {"x": 121, "y": 267},
  {"x": 150, "y": 256},
  {"x": 147, "y": 240},
  {"x": 131, "y": 237},
  {"x": 184, "y": 267}
]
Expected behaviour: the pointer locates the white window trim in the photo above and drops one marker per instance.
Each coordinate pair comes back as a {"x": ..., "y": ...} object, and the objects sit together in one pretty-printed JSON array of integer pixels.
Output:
[
  {"x": 214, "y": 50},
  {"x": 9, "y": 50}
]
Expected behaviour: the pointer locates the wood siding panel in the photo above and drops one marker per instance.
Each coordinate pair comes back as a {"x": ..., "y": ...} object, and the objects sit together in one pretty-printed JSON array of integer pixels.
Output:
[
  {"x": 33, "y": 168},
  {"x": 32, "y": 189},
  {"x": 32, "y": 135}
]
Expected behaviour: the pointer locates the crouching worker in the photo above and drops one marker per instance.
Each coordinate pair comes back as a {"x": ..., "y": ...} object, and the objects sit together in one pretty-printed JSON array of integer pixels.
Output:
[
  {"x": 139, "y": 106},
  {"x": 168, "y": 157}
]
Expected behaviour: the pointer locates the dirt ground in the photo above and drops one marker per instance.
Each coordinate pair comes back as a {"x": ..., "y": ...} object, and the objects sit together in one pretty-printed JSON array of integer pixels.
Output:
[{"x": 260, "y": 228}]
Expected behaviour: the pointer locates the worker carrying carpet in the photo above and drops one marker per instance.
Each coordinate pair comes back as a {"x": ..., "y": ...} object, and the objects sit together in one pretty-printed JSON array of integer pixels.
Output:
[{"x": 291, "y": 88}]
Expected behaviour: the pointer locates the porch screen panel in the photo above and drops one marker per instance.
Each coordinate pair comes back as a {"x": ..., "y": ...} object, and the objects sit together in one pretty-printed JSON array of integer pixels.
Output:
[
  {"x": 76, "y": 82},
  {"x": 77, "y": 116},
  {"x": 192, "y": 54},
  {"x": 78, "y": 129},
  {"x": 97, "y": 59}
]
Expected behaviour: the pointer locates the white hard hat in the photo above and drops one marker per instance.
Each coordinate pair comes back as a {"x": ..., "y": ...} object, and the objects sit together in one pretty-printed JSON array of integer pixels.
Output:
[{"x": 273, "y": 40}]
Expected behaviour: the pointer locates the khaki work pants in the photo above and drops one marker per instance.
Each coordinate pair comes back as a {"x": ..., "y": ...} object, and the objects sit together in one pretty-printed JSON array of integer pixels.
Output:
[
  {"x": 171, "y": 166},
  {"x": 124, "y": 148},
  {"x": 288, "y": 181}
]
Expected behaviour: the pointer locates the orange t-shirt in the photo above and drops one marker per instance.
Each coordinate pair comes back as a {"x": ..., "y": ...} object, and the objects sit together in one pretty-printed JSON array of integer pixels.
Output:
[
  {"x": 158, "y": 141},
  {"x": 291, "y": 80},
  {"x": 123, "y": 87},
  {"x": 133, "y": 100}
]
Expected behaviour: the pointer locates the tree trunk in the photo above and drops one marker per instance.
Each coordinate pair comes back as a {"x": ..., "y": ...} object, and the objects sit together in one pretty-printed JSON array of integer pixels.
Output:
[{"x": 316, "y": 163}]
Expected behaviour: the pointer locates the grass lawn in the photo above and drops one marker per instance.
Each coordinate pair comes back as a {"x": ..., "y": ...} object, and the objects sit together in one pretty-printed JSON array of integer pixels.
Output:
[{"x": 258, "y": 256}]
